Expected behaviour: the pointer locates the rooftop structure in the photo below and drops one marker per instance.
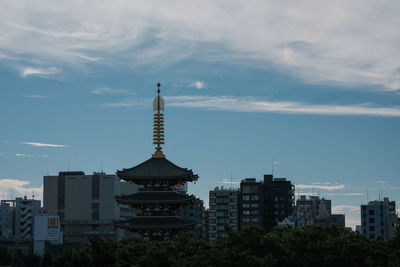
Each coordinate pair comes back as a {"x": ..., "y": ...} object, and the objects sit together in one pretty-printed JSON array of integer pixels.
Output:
[{"x": 158, "y": 201}]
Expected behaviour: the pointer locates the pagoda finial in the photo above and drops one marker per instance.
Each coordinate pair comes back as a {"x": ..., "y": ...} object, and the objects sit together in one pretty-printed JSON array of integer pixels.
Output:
[{"x": 158, "y": 130}]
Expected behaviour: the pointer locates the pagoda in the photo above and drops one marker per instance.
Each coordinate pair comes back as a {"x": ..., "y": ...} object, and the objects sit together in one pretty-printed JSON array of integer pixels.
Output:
[{"x": 157, "y": 201}]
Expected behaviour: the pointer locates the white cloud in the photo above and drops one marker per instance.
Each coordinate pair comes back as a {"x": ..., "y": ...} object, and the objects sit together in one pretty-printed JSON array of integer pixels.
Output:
[
  {"x": 21, "y": 155},
  {"x": 354, "y": 43},
  {"x": 249, "y": 104},
  {"x": 28, "y": 71},
  {"x": 323, "y": 187},
  {"x": 108, "y": 90},
  {"x": 42, "y": 144},
  {"x": 352, "y": 214},
  {"x": 345, "y": 194},
  {"x": 12, "y": 188},
  {"x": 35, "y": 96},
  {"x": 198, "y": 85},
  {"x": 226, "y": 181}
]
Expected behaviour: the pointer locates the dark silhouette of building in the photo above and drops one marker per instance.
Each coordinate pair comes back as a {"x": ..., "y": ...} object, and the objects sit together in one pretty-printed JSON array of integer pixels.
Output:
[
  {"x": 265, "y": 203},
  {"x": 157, "y": 202},
  {"x": 251, "y": 203},
  {"x": 278, "y": 200}
]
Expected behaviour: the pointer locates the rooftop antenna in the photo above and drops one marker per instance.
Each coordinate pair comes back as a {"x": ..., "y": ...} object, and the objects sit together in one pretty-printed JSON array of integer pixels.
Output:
[
  {"x": 272, "y": 163},
  {"x": 101, "y": 165}
]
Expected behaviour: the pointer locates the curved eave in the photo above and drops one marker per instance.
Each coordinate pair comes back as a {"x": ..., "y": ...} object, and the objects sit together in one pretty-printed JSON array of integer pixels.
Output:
[
  {"x": 157, "y": 168},
  {"x": 188, "y": 178}
]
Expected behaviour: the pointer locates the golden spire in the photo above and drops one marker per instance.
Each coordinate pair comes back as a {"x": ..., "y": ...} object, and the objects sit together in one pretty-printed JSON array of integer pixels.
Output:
[{"x": 158, "y": 130}]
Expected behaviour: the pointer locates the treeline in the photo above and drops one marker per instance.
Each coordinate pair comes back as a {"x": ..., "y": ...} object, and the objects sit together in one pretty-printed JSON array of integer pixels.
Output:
[{"x": 284, "y": 246}]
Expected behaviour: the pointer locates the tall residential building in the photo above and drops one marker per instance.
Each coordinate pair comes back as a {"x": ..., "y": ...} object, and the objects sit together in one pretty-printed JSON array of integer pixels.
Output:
[
  {"x": 278, "y": 200},
  {"x": 223, "y": 211},
  {"x": 251, "y": 203},
  {"x": 17, "y": 217},
  {"x": 85, "y": 203},
  {"x": 378, "y": 218}
]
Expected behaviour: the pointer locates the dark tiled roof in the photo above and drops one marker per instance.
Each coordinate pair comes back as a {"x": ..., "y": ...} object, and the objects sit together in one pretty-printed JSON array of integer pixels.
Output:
[
  {"x": 154, "y": 222},
  {"x": 153, "y": 197},
  {"x": 157, "y": 168}
]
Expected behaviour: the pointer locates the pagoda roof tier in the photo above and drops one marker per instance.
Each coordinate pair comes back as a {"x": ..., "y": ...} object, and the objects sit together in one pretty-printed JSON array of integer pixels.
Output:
[
  {"x": 154, "y": 222},
  {"x": 154, "y": 197},
  {"x": 159, "y": 169}
]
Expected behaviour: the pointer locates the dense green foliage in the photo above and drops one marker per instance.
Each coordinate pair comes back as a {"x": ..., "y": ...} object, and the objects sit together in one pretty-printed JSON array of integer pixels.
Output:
[{"x": 284, "y": 246}]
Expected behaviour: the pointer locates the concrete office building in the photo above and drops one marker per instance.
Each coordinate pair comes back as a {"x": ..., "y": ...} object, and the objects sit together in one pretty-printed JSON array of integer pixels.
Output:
[
  {"x": 17, "y": 217},
  {"x": 85, "y": 204},
  {"x": 224, "y": 204},
  {"x": 378, "y": 218}
]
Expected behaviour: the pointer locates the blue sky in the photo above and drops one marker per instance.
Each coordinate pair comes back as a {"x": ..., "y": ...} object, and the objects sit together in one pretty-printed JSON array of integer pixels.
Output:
[{"x": 312, "y": 87}]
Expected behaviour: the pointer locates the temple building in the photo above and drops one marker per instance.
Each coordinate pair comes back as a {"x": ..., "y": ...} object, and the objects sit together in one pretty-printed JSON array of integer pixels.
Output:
[{"x": 158, "y": 201}]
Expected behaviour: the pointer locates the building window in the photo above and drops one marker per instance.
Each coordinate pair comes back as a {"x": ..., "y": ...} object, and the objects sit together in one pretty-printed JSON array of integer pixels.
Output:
[
  {"x": 371, "y": 212},
  {"x": 372, "y": 228},
  {"x": 371, "y": 220}
]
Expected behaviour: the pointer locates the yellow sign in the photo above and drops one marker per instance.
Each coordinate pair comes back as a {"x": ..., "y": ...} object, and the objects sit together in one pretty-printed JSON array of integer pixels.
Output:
[{"x": 52, "y": 223}]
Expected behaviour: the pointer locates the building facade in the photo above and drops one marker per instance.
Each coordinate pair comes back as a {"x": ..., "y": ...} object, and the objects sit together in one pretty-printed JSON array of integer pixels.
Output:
[
  {"x": 251, "y": 203},
  {"x": 279, "y": 202},
  {"x": 378, "y": 218},
  {"x": 314, "y": 210},
  {"x": 17, "y": 217},
  {"x": 223, "y": 210},
  {"x": 85, "y": 204}
]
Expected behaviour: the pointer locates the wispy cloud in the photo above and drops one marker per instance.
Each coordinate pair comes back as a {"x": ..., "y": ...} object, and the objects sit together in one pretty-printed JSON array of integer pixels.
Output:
[
  {"x": 198, "y": 85},
  {"x": 249, "y": 104},
  {"x": 42, "y": 144},
  {"x": 24, "y": 155},
  {"x": 28, "y": 71},
  {"x": 354, "y": 43},
  {"x": 13, "y": 188},
  {"x": 345, "y": 194},
  {"x": 35, "y": 96},
  {"x": 108, "y": 90},
  {"x": 227, "y": 181},
  {"x": 322, "y": 187}
]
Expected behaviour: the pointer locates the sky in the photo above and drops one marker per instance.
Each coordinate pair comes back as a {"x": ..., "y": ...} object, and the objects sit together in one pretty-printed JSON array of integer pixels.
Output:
[{"x": 307, "y": 89}]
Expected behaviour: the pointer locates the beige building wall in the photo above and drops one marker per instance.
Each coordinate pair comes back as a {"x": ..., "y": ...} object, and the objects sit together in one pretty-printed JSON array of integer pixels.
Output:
[
  {"x": 78, "y": 201},
  {"x": 50, "y": 194}
]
